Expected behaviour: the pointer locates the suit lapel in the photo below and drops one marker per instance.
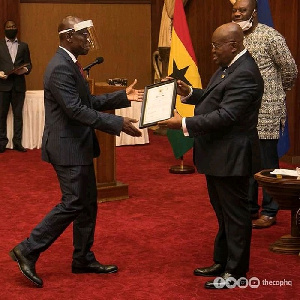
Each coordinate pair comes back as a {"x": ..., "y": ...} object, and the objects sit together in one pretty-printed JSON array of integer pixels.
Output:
[
  {"x": 217, "y": 78},
  {"x": 69, "y": 59},
  {"x": 19, "y": 50},
  {"x": 82, "y": 88},
  {"x": 221, "y": 75},
  {"x": 5, "y": 50}
]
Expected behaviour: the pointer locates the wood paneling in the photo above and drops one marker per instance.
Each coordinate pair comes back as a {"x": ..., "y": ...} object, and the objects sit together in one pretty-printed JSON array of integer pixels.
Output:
[
  {"x": 156, "y": 10},
  {"x": 9, "y": 10},
  {"x": 124, "y": 32},
  {"x": 89, "y": 1}
]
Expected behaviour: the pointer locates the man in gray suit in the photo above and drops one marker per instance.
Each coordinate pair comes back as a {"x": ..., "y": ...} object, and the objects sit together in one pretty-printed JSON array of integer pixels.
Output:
[
  {"x": 70, "y": 144},
  {"x": 226, "y": 147},
  {"x": 13, "y": 54}
]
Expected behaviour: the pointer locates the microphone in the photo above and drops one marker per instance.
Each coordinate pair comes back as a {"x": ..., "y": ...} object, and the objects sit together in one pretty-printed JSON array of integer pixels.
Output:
[{"x": 98, "y": 60}]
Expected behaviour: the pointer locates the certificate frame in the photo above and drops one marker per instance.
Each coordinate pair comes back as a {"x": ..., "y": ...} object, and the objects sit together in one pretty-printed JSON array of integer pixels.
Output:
[
  {"x": 16, "y": 69},
  {"x": 158, "y": 103}
]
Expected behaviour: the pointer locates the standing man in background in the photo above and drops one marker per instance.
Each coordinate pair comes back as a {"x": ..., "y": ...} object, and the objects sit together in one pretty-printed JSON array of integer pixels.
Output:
[
  {"x": 279, "y": 71},
  {"x": 13, "y": 54},
  {"x": 69, "y": 143}
]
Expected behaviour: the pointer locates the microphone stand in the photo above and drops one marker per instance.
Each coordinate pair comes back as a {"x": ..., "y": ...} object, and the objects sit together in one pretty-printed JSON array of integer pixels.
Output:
[{"x": 88, "y": 72}]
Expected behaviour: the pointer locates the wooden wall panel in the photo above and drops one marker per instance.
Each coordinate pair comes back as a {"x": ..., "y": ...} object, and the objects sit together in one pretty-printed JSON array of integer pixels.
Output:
[
  {"x": 9, "y": 10},
  {"x": 89, "y": 1},
  {"x": 156, "y": 10},
  {"x": 124, "y": 33}
]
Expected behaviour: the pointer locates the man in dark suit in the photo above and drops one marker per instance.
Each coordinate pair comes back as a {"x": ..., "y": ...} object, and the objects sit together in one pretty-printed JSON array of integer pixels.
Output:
[
  {"x": 226, "y": 147},
  {"x": 70, "y": 144},
  {"x": 13, "y": 54}
]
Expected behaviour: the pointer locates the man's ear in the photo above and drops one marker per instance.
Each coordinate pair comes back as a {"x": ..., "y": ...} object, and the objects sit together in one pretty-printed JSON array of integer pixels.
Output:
[
  {"x": 69, "y": 37},
  {"x": 234, "y": 46},
  {"x": 254, "y": 14}
]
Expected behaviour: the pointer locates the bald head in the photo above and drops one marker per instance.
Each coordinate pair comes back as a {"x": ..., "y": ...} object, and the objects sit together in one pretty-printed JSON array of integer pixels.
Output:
[
  {"x": 67, "y": 23},
  {"x": 230, "y": 32},
  {"x": 227, "y": 42}
]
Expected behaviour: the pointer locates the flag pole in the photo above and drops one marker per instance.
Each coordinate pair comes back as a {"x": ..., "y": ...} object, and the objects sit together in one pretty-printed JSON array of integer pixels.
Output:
[{"x": 182, "y": 168}]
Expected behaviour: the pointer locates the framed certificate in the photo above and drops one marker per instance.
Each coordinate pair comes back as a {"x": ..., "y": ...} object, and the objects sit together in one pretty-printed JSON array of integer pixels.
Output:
[
  {"x": 158, "y": 103},
  {"x": 16, "y": 69}
]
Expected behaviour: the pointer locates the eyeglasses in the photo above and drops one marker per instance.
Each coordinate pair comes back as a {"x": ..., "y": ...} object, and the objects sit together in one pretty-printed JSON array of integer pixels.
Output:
[{"x": 217, "y": 46}]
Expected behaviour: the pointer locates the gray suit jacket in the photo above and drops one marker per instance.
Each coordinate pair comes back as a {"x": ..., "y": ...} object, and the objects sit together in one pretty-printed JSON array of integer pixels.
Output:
[
  {"x": 224, "y": 125},
  {"x": 72, "y": 114},
  {"x": 6, "y": 65}
]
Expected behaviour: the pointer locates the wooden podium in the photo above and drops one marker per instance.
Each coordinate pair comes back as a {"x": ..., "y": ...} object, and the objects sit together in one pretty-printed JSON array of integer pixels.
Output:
[{"x": 109, "y": 189}]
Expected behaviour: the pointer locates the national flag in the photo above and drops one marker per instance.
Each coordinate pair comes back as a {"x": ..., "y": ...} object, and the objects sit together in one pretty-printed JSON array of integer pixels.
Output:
[
  {"x": 183, "y": 66},
  {"x": 265, "y": 17}
]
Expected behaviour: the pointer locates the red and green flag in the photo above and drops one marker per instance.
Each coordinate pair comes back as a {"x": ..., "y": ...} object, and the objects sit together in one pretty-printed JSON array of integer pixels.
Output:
[{"x": 183, "y": 66}]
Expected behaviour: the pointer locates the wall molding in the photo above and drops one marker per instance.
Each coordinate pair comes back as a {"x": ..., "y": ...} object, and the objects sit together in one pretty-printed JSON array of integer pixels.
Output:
[{"x": 89, "y": 1}]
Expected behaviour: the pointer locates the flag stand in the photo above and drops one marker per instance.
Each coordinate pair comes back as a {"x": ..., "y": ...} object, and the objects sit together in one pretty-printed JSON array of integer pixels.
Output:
[{"x": 181, "y": 169}]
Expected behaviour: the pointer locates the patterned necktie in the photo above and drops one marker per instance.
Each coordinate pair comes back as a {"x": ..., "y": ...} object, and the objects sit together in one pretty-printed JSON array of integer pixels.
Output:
[{"x": 80, "y": 69}]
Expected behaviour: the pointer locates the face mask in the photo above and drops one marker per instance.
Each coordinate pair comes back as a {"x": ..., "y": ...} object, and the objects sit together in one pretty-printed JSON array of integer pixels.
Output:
[
  {"x": 11, "y": 33},
  {"x": 246, "y": 25}
]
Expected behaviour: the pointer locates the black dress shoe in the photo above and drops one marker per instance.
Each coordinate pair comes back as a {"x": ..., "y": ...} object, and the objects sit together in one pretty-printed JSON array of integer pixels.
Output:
[
  {"x": 94, "y": 267},
  {"x": 2, "y": 149},
  {"x": 19, "y": 148},
  {"x": 214, "y": 270},
  {"x": 225, "y": 281},
  {"x": 26, "y": 266}
]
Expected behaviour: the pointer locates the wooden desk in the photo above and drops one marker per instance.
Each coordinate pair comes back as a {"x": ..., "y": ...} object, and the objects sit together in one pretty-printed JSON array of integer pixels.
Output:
[{"x": 286, "y": 192}]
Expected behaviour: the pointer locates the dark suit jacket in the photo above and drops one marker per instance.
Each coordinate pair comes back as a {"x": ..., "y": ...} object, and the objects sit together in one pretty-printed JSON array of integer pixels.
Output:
[
  {"x": 72, "y": 114},
  {"x": 6, "y": 65},
  {"x": 224, "y": 125}
]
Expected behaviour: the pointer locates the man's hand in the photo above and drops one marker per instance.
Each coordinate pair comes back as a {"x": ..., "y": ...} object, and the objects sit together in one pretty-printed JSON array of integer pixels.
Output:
[
  {"x": 133, "y": 94},
  {"x": 172, "y": 123},
  {"x": 129, "y": 129},
  {"x": 21, "y": 71},
  {"x": 2, "y": 75},
  {"x": 182, "y": 88}
]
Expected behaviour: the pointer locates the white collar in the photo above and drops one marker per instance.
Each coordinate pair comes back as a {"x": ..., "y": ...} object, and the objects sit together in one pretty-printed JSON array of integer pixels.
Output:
[
  {"x": 8, "y": 40},
  {"x": 237, "y": 57},
  {"x": 70, "y": 54}
]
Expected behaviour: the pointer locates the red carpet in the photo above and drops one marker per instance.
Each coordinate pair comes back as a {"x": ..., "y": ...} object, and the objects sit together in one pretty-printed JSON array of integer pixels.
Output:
[{"x": 157, "y": 237}]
